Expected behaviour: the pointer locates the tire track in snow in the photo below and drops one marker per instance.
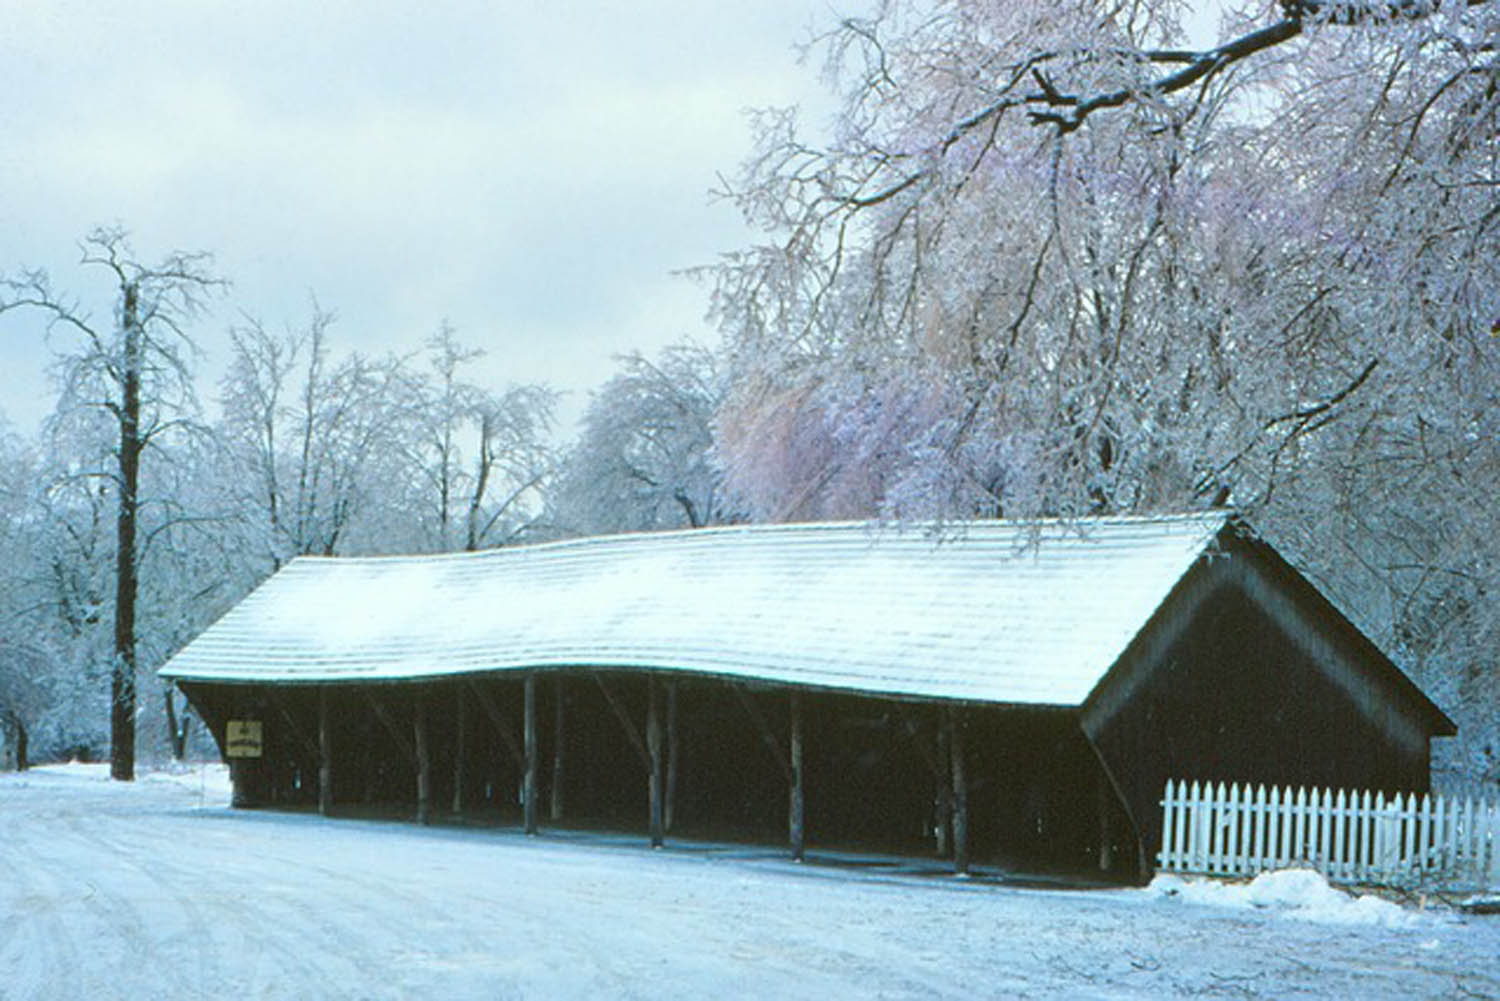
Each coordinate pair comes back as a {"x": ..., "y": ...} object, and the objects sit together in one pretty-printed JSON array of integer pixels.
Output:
[
  {"x": 255, "y": 915},
  {"x": 44, "y": 910}
]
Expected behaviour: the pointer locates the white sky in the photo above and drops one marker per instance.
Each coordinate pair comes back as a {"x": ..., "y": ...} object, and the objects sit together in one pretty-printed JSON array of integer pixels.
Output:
[{"x": 532, "y": 171}]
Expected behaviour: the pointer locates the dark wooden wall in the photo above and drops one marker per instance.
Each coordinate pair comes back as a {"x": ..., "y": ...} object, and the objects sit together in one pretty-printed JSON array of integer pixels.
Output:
[{"x": 1241, "y": 678}]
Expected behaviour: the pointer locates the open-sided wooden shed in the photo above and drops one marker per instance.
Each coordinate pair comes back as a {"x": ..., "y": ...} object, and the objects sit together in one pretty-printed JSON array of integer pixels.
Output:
[{"x": 1014, "y": 694}]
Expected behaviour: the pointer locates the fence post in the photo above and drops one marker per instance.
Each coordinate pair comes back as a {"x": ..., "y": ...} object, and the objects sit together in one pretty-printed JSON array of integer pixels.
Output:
[
  {"x": 1179, "y": 833},
  {"x": 1197, "y": 835},
  {"x": 1212, "y": 814},
  {"x": 1408, "y": 834},
  {"x": 1325, "y": 829},
  {"x": 1467, "y": 840},
  {"x": 1389, "y": 837},
  {"x": 1424, "y": 836},
  {"x": 1338, "y": 862},
  {"x": 1164, "y": 857},
  {"x": 1314, "y": 850},
  {"x": 1442, "y": 832},
  {"x": 1299, "y": 820},
  {"x": 1232, "y": 832},
  {"x": 1274, "y": 826},
  {"x": 1363, "y": 834},
  {"x": 1260, "y": 828},
  {"x": 1288, "y": 825}
]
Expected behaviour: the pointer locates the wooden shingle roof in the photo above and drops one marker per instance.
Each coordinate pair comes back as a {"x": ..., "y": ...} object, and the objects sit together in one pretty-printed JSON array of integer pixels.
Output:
[{"x": 1019, "y": 613}]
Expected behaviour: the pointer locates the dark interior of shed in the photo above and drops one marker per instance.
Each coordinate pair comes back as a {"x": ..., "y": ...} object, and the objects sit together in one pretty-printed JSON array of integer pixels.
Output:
[{"x": 878, "y": 771}]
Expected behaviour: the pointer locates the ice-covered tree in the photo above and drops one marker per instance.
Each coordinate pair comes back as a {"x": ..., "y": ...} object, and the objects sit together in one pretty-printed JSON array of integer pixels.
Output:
[
  {"x": 644, "y": 459},
  {"x": 134, "y": 374},
  {"x": 310, "y": 432},
  {"x": 480, "y": 456},
  {"x": 350, "y": 454},
  {"x": 1048, "y": 260}
]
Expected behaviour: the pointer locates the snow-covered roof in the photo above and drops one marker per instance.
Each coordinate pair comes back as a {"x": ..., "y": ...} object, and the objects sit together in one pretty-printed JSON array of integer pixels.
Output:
[{"x": 1021, "y": 613}]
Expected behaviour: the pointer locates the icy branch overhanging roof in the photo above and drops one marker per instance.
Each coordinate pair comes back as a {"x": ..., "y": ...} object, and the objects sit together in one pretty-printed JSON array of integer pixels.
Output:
[{"x": 1021, "y": 613}]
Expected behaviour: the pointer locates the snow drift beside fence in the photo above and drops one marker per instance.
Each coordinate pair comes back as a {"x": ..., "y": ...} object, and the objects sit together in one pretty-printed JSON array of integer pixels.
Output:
[{"x": 1298, "y": 893}]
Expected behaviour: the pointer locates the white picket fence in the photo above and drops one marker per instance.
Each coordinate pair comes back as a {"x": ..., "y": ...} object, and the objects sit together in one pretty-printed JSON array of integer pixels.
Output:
[{"x": 1350, "y": 837}]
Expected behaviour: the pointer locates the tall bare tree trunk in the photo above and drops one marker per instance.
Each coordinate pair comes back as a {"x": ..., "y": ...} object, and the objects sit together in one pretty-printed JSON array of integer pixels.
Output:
[
  {"x": 144, "y": 369},
  {"x": 122, "y": 679}
]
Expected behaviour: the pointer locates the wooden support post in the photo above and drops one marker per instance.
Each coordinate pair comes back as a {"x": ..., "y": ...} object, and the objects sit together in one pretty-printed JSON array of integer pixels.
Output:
[
  {"x": 247, "y": 787},
  {"x": 942, "y": 805},
  {"x": 325, "y": 754},
  {"x": 1106, "y": 845},
  {"x": 424, "y": 757},
  {"x": 556, "y": 791},
  {"x": 960, "y": 793},
  {"x": 528, "y": 782},
  {"x": 795, "y": 795},
  {"x": 671, "y": 756},
  {"x": 459, "y": 750},
  {"x": 241, "y": 793},
  {"x": 655, "y": 780}
]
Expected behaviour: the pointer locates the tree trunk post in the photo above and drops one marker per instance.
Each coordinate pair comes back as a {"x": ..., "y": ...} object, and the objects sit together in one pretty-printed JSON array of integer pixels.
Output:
[
  {"x": 528, "y": 780},
  {"x": 558, "y": 716},
  {"x": 325, "y": 754},
  {"x": 459, "y": 750},
  {"x": 424, "y": 758},
  {"x": 654, "y": 749},
  {"x": 795, "y": 794},
  {"x": 960, "y": 793}
]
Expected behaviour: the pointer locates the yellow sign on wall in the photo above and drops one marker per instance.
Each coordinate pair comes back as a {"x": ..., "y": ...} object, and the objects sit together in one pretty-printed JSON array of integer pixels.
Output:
[{"x": 242, "y": 738}]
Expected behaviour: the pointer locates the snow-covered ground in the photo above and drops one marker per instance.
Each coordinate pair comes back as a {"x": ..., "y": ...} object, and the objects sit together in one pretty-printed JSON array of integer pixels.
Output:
[{"x": 158, "y": 890}]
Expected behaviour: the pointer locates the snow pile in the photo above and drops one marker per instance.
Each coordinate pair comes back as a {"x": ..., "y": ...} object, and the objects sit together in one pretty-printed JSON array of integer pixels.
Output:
[
  {"x": 207, "y": 781},
  {"x": 1298, "y": 893}
]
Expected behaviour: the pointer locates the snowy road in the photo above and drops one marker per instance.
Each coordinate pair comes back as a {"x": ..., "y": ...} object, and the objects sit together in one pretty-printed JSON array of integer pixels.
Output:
[{"x": 158, "y": 891}]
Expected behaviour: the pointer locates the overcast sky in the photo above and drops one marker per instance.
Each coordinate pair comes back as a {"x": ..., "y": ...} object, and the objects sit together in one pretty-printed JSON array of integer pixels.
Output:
[{"x": 533, "y": 172}]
